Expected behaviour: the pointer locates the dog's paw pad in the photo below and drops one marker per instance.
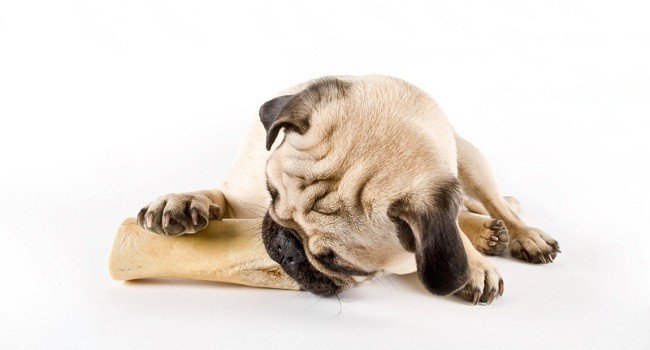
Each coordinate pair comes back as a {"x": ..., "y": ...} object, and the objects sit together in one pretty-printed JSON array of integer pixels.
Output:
[{"x": 493, "y": 239}]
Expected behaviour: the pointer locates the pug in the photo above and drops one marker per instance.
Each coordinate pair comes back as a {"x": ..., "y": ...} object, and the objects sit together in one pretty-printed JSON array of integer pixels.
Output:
[{"x": 356, "y": 176}]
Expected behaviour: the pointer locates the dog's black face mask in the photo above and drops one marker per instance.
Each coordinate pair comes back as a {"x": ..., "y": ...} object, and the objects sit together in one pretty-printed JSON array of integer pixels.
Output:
[{"x": 285, "y": 248}]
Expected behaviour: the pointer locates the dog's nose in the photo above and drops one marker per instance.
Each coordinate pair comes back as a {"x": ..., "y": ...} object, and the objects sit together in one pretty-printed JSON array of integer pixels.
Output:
[{"x": 289, "y": 248}]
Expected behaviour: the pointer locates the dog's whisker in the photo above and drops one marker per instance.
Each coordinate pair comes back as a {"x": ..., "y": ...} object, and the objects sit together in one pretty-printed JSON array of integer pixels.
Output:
[
  {"x": 296, "y": 294},
  {"x": 309, "y": 295},
  {"x": 350, "y": 301},
  {"x": 314, "y": 304},
  {"x": 375, "y": 278},
  {"x": 389, "y": 280},
  {"x": 340, "y": 305}
]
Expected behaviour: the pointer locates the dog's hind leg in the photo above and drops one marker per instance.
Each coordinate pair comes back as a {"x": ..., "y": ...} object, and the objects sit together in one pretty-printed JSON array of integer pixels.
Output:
[
  {"x": 474, "y": 206},
  {"x": 526, "y": 242}
]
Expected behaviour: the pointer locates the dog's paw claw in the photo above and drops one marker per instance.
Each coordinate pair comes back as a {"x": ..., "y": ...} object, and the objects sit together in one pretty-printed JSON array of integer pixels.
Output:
[
  {"x": 166, "y": 216},
  {"x": 149, "y": 218},
  {"x": 490, "y": 297},
  {"x": 195, "y": 216},
  {"x": 476, "y": 297}
]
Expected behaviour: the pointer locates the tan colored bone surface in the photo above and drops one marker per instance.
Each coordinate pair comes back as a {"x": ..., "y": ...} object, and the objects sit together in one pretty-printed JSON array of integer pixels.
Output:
[{"x": 226, "y": 251}]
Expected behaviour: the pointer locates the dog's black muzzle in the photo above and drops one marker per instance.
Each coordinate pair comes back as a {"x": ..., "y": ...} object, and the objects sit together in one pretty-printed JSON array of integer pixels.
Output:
[{"x": 284, "y": 247}]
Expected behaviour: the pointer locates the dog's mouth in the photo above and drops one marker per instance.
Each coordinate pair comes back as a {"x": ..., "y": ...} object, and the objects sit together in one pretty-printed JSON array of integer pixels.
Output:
[{"x": 284, "y": 246}]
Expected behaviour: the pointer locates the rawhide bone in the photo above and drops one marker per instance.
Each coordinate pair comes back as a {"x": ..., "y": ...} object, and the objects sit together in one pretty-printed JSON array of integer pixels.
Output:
[{"x": 225, "y": 251}]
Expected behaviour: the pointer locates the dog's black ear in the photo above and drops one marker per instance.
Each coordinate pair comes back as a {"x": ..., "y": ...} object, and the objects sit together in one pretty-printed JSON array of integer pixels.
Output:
[
  {"x": 441, "y": 259},
  {"x": 293, "y": 112},
  {"x": 282, "y": 112}
]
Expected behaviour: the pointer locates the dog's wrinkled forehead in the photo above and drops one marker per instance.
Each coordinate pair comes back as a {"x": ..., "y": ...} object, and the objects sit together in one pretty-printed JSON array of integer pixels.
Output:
[{"x": 294, "y": 112}]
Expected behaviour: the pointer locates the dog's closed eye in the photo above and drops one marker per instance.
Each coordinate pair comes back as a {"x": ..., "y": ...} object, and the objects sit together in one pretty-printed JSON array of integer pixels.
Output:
[
  {"x": 328, "y": 204},
  {"x": 333, "y": 262}
]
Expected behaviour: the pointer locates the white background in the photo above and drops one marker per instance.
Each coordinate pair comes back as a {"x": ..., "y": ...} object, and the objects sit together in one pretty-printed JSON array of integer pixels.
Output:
[{"x": 106, "y": 105}]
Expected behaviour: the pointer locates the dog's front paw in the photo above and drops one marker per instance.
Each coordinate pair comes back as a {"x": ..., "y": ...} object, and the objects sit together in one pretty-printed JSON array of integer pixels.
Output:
[
  {"x": 485, "y": 282},
  {"x": 533, "y": 245},
  {"x": 177, "y": 214}
]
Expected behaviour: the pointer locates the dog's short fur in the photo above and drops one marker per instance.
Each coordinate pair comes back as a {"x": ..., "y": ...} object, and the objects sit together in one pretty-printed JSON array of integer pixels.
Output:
[{"x": 366, "y": 176}]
